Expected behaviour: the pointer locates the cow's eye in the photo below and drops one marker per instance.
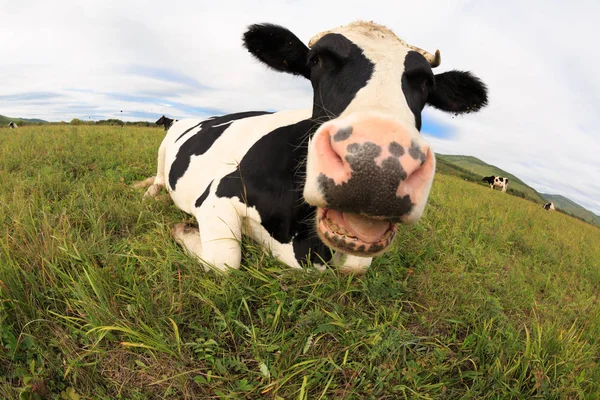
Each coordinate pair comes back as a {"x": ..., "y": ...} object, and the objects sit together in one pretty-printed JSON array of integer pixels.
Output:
[
  {"x": 315, "y": 60},
  {"x": 426, "y": 85}
]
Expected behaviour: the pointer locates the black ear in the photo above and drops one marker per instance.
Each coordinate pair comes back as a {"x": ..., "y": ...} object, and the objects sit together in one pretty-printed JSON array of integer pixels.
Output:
[
  {"x": 458, "y": 92},
  {"x": 277, "y": 47}
]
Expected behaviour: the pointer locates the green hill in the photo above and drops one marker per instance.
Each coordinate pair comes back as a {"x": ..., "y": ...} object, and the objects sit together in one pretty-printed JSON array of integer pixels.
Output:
[
  {"x": 570, "y": 207},
  {"x": 20, "y": 121},
  {"x": 479, "y": 169}
]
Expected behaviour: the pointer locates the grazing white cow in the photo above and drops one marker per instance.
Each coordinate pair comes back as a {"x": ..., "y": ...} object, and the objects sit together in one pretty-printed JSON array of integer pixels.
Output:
[
  {"x": 549, "y": 207},
  {"x": 496, "y": 181},
  {"x": 323, "y": 184},
  {"x": 12, "y": 125}
]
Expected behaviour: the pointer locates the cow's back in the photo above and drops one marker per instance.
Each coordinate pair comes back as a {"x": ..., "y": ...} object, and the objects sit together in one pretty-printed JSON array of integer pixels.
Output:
[{"x": 200, "y": 151}]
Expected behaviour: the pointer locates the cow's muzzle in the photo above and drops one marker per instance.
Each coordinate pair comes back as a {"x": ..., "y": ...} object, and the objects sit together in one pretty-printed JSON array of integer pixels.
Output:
[{"x": 364, "y": 176}]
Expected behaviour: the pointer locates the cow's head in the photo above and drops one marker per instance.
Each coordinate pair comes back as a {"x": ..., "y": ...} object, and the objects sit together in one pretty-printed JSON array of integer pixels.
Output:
[
  {"x": 164, "y": 121},
  {"x": 367, "y": 166}
]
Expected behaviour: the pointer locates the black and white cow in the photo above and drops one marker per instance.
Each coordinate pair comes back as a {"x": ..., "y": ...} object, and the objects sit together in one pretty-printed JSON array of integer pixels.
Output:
[
  {"x": 496, "y": 181},
  {"x": 12, "y": 125},
  {"x": 549, "y": 207},
  {"x": 326, "y": 184},
  {"x": 166, "y": 122}
]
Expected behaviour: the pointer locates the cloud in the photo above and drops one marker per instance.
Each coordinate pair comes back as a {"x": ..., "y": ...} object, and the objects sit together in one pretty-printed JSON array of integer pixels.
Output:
[
  {"x": 31, "y": 96},
  {"x": 164, "y": 74},
  {"x": 537, "y": 57}
]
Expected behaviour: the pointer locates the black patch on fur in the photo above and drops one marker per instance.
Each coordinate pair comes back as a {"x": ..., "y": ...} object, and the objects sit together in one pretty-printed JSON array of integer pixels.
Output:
[
  {"x": 417, "y": 82},
  {"x": 270, "y": 179},
  {"x": 201, "y": 141},
  {"x": 396, "y": 149},
  {"x": 416, "y": 152},
  {"x": 203, "y": 196},
  {"x": 371, "y": 190},
  {"x": 189, "y": 129},
  {"x": 278, "y": 48},
  {"x": 458, "y": 92},
  {"x": 342, "y": 134},
  {"x": 338, "y": 70}
]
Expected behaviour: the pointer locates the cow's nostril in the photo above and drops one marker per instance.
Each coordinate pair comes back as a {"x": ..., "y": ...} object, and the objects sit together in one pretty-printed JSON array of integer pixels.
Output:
[{"x": 336, "y": 157}]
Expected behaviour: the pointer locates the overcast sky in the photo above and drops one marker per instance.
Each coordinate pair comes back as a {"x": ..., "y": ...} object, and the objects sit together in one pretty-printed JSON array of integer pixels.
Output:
[{"x": 137, "y": 60}]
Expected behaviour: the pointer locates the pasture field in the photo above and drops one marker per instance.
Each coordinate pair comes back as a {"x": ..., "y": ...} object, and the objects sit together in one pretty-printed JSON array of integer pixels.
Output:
[{"x": 487, "y": 297}]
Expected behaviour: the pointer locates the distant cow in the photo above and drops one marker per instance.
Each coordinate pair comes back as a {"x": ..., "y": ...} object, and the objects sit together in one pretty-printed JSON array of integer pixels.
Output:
[
  {"x": 496, "y": 181},
  {"x": 12, "y": 125},
  {"x": 549, "y": 207},
  {"x": 323, "y": 184},
  {"x": 165, "y": 121}
]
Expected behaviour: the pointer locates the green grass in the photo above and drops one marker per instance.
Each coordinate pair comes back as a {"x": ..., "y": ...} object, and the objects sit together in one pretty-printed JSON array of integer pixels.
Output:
[{"x": 488, "y": 296}]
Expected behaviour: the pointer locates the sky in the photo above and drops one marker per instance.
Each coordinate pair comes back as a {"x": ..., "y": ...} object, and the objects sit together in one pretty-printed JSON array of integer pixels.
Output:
[{"x": 138, "y": 60}]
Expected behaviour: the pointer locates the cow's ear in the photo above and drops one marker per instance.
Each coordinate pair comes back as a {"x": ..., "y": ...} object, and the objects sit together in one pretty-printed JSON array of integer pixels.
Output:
[
  {"x": 277, "y": 47},
  {"x": 458, "y": 92}
]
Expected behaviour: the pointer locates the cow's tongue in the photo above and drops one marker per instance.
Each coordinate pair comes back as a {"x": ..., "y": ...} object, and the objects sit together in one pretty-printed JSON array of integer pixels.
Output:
[{"x": 364, "y": 228}]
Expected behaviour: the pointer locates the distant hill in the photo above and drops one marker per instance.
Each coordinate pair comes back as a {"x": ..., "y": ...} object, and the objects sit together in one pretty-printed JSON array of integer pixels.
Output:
[
  {"x": 572, "y": 208},
  {"x": 474, "y": 169},
  {"x": 6, "y": 120},
  {"x": 479, "y": 169}
]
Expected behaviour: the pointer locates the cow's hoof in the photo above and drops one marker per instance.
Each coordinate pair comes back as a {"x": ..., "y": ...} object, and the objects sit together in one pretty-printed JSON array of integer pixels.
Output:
[
  {"x": 152, "y": 192},
  {"x": 143, "y": 184},
  {"x": 357, "y": 271},
  {"x": 180, "y": 231}
]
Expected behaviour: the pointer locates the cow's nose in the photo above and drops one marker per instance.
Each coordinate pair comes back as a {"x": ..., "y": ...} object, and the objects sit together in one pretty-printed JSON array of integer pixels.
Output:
[
  {"x": 374, "y": 167},
  {"x": 341, "y": 155}
]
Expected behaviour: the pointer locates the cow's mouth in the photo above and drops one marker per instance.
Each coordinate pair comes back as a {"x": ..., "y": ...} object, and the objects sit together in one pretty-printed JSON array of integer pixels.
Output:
[{"x": 353, "y": 233}]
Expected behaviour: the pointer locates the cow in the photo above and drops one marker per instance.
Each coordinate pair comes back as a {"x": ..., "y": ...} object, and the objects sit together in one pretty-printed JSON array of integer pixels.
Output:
[
  {"x": 322, "y": 186},
  {"x": 549, "y": 207},
  {"x": 496, "y": 181},
  {"x": 12, "y": 125},
  {"x": 166, "y": 122}
]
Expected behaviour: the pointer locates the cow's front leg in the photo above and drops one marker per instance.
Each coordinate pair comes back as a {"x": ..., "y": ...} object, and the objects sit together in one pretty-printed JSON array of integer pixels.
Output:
[
  {"x": 220, "y": 233},
  {"x": 349, "y": 264},
  {"x": 159, "y": 180},
  {"x": 216, "y": 241}
]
